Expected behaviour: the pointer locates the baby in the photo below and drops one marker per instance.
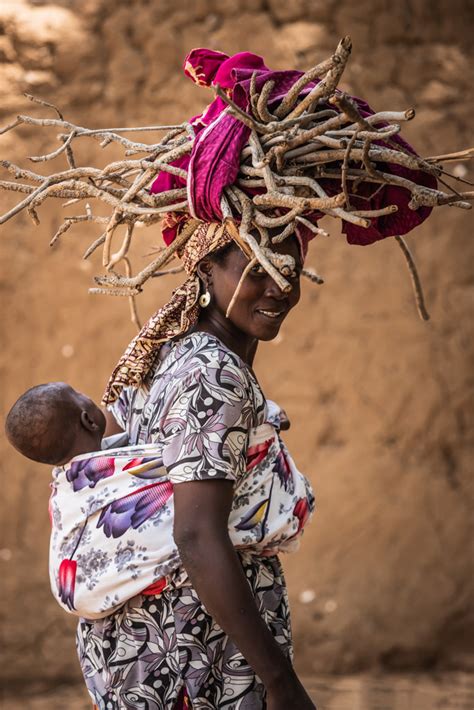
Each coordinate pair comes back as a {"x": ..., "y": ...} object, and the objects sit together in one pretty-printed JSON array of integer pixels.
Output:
[
  {"x": 52, "y": 423},
  {"x": 111, "y": 505}
]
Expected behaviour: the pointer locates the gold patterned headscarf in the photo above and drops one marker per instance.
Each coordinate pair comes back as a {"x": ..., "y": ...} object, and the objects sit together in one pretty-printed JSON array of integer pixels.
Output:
[{"x": 174, "y": 318}]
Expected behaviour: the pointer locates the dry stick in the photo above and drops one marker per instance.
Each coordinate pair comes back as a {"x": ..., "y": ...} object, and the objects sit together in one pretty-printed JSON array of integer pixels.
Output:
[
  {"x": 122, "y": 252},
  {"x": 335, "y": 212},
  {"x": 420, "y": 195},
  {"x": 314, "y": 228},
  {"x": 135, "y": 129},
  {"x": 328, "y": 85},
  {"x": 138, "y": 184},
  {"x": 237, "y": 112},
  {"x": 69, "y": 221},
  {"x": 55, "y": 153},
  {"x": 312, "y": 276},
  {"x": 293, "y": 94},
  {"x": 282, "y": 127},
  {"x": 262, "y": 104},
  {"x": 24, "y": 203},
  {"x": 376, "y": 153},
  {"x": 345, "y": 164},
  {"x": 380, "y": 134},
  {"x": 257, "y": 157},
  {"x": 249, "y": 266},
  {"x": 34, "y": 215},
  {"x": 144, "y": 164},
  {"x": 287, "y": 232},
  {"x": 131, "y": 299},
  {"x": 304, "y": 137},
  {"x": 371, "y": 214},
  {"x": 102, "y": 134},
  {"x": 173, "y": 270},
  {"x": 115, "y": 291},
  {"x": 279, "y": 199},
  {"x": 77, "y": 188},
  {"x": 225, "y": 208},
  {"x": 416, "y": 282},
  {"x": 28, "y": 189},
  {"x": 234, "y": 231},
  {"x": 389, "y": 117},
  {"x": 247, "y": 210},
  {"x": 265, "y": 221},
  {"x": 164, "y": 256},
  {"x": 91, "y": 249},
  {"x": 16, "y": 187},
  {"x": 73, "y": 173},
  {"x": 254, "y": 96},
  {"x": 313, "y": 147},
  {"x": 460, "y": 155},
  {"x": 69, "y": 154}
]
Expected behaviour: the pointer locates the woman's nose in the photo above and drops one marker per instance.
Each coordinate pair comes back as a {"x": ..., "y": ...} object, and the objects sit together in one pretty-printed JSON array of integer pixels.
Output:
[{"x": 273, "y": 290}]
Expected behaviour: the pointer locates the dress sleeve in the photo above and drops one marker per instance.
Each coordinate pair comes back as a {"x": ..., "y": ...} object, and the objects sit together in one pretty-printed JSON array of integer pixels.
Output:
[{"x": 206, "y": 423}]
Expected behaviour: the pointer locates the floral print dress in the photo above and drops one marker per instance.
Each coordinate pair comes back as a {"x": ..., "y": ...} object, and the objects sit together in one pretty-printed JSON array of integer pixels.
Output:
[{"x": 165, "y": 651}]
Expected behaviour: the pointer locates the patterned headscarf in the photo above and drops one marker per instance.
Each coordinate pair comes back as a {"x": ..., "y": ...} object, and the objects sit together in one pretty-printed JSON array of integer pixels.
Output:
[{"x": 174, "y": 318}]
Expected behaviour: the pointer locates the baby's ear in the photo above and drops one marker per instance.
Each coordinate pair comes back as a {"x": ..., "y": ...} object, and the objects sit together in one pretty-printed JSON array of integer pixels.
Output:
[{"x": 87, "y": 422}]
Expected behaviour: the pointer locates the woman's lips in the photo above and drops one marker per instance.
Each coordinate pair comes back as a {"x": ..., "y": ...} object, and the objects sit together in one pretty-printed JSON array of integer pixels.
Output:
[{"x": 271, "y": 314}]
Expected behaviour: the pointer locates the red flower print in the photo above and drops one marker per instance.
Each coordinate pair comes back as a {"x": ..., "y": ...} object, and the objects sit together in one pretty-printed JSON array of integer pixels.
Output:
[
  {"x": 256, "y": 454},
  {"x": 67, "y": 582},
  {"x": 301, "y": 511}
]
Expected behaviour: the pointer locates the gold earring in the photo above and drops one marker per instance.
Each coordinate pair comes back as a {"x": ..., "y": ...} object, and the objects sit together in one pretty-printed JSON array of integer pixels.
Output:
[{"x": 205, "y": 299}]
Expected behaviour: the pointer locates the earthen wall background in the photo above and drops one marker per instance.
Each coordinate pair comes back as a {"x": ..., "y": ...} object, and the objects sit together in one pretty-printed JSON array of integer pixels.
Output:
[{"x": 380, "y": 403}]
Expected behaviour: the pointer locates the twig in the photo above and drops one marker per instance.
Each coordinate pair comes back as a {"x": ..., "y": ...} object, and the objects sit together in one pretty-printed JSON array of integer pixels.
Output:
[
  {"x": 248, "y": 268},
  {"x": 415, "y": 279}
]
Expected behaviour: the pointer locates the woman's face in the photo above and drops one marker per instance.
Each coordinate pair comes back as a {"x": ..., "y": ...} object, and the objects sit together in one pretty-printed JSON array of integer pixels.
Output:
[{"x": 261, "y": 306}]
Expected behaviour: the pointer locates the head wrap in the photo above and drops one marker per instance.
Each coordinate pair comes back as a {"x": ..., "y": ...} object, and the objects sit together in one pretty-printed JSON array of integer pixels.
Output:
[
  {"x": 220, "y": 138},
  {"x": 212, "y": 165},
  {"x": 175, "y": 317}
]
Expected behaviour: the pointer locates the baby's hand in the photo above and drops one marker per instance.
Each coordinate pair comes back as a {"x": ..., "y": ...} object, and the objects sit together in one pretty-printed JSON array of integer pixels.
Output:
[{"x": 284, "y": 421}]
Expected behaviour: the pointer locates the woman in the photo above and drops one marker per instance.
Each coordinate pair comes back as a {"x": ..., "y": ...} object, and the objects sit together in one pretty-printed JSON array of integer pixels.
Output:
[
  {"x": 215, "y": 631},
  {"x": 230, "y": 639}
]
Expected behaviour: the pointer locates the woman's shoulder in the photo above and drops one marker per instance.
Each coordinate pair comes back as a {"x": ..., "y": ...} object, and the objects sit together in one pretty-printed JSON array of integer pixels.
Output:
[
  {"x": 201, "y": 352},
  {"x": 201, "y": 359}
]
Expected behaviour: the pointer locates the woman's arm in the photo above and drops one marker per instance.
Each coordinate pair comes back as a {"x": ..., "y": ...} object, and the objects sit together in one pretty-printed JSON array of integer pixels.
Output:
[{"x": 200, "y": 529}]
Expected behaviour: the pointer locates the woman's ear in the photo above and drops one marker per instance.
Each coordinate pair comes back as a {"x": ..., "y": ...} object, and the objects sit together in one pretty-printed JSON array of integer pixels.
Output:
[
  {"x": 204, "y": 271},
  {"x": 87, "y": 422}
]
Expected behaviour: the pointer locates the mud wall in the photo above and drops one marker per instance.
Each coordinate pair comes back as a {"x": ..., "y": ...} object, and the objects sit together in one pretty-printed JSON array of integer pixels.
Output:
[{"x": 379, "y": 401}]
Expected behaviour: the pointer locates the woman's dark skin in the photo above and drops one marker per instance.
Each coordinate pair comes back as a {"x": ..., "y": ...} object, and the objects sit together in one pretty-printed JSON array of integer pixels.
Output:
[{"x": 202, "y": 508}]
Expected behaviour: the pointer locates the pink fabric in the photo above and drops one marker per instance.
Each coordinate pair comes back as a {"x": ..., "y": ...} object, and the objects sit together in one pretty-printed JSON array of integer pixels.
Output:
[{"x": 214, "y": 160}]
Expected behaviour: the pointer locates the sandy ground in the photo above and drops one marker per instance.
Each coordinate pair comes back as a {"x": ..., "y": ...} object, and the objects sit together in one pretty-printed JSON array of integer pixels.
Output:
[{"x": 410, "y": 692}]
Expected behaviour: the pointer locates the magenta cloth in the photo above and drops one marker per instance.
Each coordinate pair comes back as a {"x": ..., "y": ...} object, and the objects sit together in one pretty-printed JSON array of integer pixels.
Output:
[{"x": 220, "y": 138}]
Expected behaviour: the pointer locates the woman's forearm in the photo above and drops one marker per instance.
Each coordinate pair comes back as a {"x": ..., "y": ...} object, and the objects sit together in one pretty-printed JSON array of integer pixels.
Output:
[{"x": 217, "y": 575}]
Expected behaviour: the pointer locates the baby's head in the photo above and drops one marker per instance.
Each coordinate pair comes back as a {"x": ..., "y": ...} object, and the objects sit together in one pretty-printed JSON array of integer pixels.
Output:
[{"x": 52, "y": 423}]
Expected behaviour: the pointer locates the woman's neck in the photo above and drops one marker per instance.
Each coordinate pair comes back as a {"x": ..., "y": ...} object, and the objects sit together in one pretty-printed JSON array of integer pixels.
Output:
[{"x": 238, "y": 342}]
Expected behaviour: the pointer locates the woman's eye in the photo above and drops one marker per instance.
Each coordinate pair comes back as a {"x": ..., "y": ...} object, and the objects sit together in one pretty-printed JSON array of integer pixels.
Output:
[{"x": 258, "y": 269}]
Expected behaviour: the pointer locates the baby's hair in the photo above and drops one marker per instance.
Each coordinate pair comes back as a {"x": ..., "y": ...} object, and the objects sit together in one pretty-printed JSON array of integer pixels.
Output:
[{"x": 42, "y": 423}]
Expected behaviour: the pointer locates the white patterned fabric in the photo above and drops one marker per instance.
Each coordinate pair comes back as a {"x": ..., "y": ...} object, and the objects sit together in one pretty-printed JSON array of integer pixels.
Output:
[{"x": 112, "y": 518}]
